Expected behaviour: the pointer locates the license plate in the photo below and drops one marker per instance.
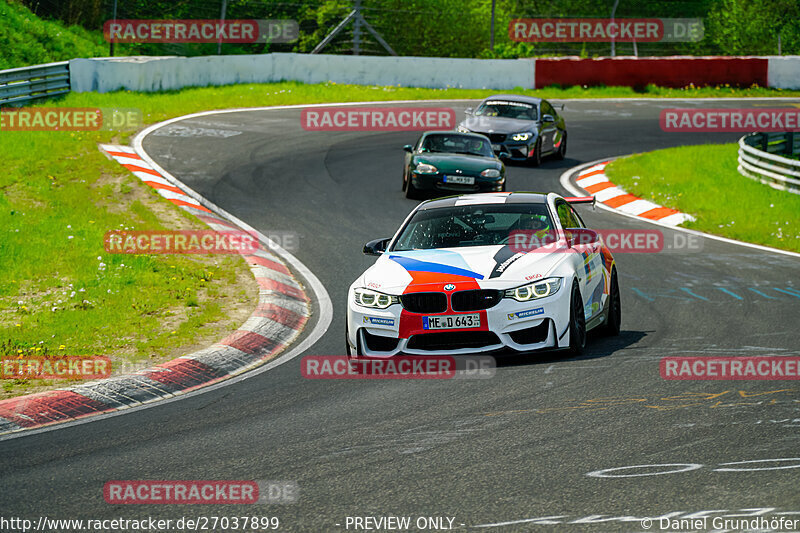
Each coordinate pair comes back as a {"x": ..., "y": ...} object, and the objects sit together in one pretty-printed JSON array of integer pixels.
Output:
[
  {"x": 496, "y": 147},
  {"x": 452, "y": 321},
  {"x": 461, "y": 180}
]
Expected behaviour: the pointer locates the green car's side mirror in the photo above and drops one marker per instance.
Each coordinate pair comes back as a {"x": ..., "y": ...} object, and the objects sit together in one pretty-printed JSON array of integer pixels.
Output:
[{"x": 408, "y": 148}]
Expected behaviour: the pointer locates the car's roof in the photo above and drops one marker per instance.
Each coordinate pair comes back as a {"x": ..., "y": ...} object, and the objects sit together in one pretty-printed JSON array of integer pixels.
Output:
[
  {"x": 453, "y": 132},
  {"x": 515, "y": 98},
  {"x": 486, "y": 199}
]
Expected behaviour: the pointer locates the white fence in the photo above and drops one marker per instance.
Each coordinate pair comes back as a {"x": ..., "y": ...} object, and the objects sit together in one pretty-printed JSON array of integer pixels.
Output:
[{"x": 759, "y": 159}]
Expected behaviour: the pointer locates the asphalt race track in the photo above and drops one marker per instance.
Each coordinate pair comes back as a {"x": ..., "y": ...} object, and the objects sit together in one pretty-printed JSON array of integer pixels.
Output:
[{"x": 493, "y": 452}]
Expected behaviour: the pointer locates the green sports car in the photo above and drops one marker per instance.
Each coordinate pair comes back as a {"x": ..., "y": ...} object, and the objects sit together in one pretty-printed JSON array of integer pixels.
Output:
[{"x": 453, "y": 162}]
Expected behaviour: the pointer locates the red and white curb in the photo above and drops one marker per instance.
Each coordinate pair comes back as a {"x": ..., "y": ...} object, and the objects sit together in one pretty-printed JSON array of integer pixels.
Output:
[
  {"x": 594, "y": 181},
  {"x": 282, "y": 311}
]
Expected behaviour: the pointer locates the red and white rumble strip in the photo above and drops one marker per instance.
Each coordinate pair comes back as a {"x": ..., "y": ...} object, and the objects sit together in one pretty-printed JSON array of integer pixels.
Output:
[
  {"x": 282, "y": 311},
  {"x": 594, "y": 181}
]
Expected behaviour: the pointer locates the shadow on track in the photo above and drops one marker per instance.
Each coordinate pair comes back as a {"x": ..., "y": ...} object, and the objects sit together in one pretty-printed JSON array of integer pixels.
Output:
[{"x": 597, "y": 347}]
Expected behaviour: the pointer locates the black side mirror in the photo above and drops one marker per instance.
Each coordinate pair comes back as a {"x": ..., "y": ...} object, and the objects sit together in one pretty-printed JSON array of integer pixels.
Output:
[
  {"x": 408, "y": 148},
  {"x": 548, "y": 118},
  {"x": 376, "y": 247}
]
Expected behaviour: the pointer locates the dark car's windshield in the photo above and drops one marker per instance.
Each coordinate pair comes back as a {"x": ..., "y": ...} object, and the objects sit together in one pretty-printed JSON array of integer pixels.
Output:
[
  {"x": 472, "y": 225},
  {"x": 507, "y": 109},
  {"x": 457, "y": 144}
]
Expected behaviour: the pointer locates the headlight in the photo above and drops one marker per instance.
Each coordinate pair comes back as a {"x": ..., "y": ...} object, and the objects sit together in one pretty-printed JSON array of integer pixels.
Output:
[
  {"x": 522, "y": 136},
  {"x": 374, "y": 299},
  {"x": 462, "y": 129},
  {"x": 425, "y": 168},
  {"x": 490, "y": 173},
  {"x": 533, "y": 291}
]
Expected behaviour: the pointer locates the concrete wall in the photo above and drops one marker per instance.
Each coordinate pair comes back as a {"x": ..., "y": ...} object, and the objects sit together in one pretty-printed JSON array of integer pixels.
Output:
[
  {"x": 164, "y": 73},
  {"x": 784, "y": 72}
]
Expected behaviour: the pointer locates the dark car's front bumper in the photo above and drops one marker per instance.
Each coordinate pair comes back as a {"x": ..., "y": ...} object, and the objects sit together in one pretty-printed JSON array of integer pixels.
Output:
[
  {"x": 435, "y": 182},
  {"x": 519, "y": 150}
]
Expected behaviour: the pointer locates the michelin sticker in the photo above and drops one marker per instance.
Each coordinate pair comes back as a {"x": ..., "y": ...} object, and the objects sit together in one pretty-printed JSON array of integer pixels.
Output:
[
  {"x": 378, "y": 321},
  {"x": 526, "y": 314}
]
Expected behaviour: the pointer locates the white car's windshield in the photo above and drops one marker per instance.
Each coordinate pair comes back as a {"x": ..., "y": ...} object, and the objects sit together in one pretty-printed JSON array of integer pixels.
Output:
[
  {"x": 507, "y": 109},
  {"x": 474, "y": 225}
]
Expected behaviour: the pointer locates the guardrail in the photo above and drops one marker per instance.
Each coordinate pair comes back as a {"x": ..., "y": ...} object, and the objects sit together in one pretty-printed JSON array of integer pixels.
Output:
[
  {"x": 759, "y": 159},
  {"x": 21, "y": 85}
]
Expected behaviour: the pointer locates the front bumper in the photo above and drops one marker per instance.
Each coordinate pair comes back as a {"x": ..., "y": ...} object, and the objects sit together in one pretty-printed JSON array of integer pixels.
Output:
[
  {"x": 519, "y": 150},
  {"x": 435, "y": 182},
  {"x": 518, "y": 326}
]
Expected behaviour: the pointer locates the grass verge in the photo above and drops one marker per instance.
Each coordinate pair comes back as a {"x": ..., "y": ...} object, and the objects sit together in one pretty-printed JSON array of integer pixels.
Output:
[
  {"x": 703, "y": 181},
  {"x": 60, "y": 293}
]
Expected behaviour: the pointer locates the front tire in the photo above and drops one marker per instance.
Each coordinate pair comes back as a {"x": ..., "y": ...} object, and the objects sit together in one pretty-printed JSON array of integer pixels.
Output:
[
  {"x": 614, "y": 318},
  {"x": 536, "y": 160},
  {"x": 562, "y": 149},
  {"x": 577, "y": 322},
  {"x": 411, "y": 192}
]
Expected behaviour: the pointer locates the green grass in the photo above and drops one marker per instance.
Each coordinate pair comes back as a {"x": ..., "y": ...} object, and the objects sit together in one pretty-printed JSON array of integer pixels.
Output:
[
  {"x": 703, "y": 181},
  {"x": 25, "y": 39},
  {"x": 56, "y": 298}
]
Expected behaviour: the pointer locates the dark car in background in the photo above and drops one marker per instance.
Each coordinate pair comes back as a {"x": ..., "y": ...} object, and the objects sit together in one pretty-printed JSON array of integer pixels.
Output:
[
  {"x": 526, "y": 128},
  {"x": 452, "y": 162}
]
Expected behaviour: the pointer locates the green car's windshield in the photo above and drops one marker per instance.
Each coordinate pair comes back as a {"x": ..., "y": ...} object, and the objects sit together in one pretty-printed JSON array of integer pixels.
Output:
[
  {"x": 506, "y": 109},
  {"x": 457, "y": 144},
  {"x": 472, "y": 225}
]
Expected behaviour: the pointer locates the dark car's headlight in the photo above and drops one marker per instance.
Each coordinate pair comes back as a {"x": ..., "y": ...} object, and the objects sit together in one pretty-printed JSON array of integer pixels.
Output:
[
  {"x": 536, "y": 290},
  {"x": 524, "y": 136},
  {"x": 374, "y": 299},
  {"x": 490, "y": 173},
  {"x": 425, "y": 168},
  {"x": 462, "y": 129}
]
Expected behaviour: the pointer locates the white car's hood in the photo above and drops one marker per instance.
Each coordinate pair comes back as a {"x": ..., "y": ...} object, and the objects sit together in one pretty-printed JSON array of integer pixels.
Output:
[{"x": 489, "y": 266}]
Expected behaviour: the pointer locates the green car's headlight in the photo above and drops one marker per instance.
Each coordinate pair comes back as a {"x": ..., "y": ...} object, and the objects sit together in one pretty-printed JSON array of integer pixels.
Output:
[
  {"x": 374, "y": 299},
  {"x": 534, "y": 291},
  {"x": 490, "y": 173},
  {"x": 425, "y": 168},
  {"x": 524, "y": 136}
]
